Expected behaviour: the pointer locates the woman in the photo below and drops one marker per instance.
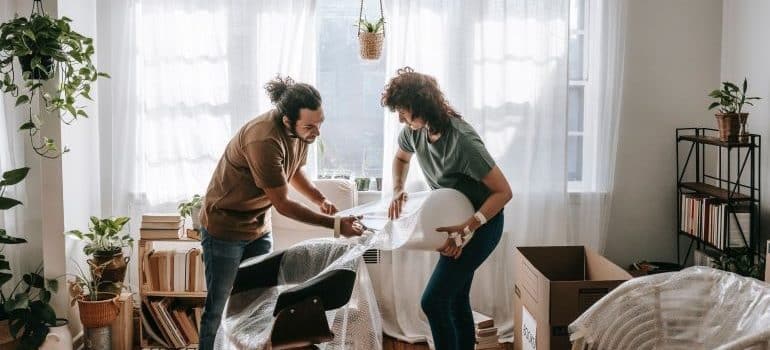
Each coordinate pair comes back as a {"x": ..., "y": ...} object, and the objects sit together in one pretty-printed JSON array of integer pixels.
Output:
[{"x": 452, "y": 155}]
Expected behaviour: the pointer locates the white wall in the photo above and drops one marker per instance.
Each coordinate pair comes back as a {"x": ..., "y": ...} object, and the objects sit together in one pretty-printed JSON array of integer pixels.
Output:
[
  {"x": 745, "y": 53},
  {"x": 672, "y": 61}
]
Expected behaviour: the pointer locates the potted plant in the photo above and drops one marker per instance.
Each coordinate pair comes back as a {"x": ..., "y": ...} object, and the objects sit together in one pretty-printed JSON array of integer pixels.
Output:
[
  {"x": 192, "y": 209},
  {"x": 105, "y": 242},
  {"x": 27, "y": 311},
  {"x": 731, "y": 119},
  {"x": 97, "y": 302},
  {"x": 739, "y": 260},
  {"x": 46, "y": 47},
  {"x": 370, "y": 37}
]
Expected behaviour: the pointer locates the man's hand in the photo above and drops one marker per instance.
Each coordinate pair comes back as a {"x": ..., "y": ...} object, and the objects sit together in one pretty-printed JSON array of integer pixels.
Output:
[
  {"x": 396, "y": 205},
  {"x": 350, "y": 226},
  {"x": 328, "y": 207}
]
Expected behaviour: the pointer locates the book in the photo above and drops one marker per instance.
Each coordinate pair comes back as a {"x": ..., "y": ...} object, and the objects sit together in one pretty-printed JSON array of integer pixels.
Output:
[
  {"x": 482, "y": 321},
  {"x": 151, "y": 327},
  {"x": 161, "y": 234},
  {"x": 170, "y": 225},
  {"x": 198, "y": 312},
  {"x": 161, "y": 217}
]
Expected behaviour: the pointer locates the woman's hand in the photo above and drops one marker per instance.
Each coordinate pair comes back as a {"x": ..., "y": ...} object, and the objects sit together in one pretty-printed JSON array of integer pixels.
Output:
[
  {"x": 396, "y": 205},
  {"x": 450, "y": 247}
]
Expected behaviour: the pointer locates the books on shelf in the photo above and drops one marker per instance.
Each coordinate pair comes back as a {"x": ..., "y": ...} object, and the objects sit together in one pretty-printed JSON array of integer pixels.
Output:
[
  {"x": 162, "y": 226},
  {"x": 710, "y": 220},
  {"x": 486, "y": 332},
  {"x": 171, "y": 323},
  {"x": 173, "y": 271}
]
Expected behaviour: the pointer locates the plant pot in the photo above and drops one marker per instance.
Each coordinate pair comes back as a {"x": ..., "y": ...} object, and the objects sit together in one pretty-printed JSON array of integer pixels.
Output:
[
  {"x": 114, "y": 270},
  {"x": 37, "y": 73},
  {"x": 6, "y": 339},
  {"x": 362, "y": 183},
  {"x": 196, "y": 221},
  {"x": 371, "y": 45},
  {"x": 59, "y": 336},
  {"x": 729, "y": 126},
  {"x": 99, "y": 313},
  {"x": 743, "y": 134}
]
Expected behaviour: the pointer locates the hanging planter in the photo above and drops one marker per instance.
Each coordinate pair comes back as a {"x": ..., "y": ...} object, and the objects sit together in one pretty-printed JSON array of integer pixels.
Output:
[
  {"x": 46, "y": 48},
  {"x": 371, "y": 36}
]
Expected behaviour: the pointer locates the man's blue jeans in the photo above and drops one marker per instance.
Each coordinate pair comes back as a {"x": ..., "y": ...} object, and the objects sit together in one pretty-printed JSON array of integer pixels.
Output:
[
  {"x": 221, "y": 259},
  {"x": 446, "y": 299}
]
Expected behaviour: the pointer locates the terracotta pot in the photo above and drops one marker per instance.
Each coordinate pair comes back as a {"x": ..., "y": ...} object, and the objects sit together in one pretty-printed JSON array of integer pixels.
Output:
[
  {"x": 99, "y": 313},
  {"x": 371, "y": 45},
  {"x": 114, "y": 270},
  {"x": 6, "y": 339},
  {"x": 729, "y": 125}
]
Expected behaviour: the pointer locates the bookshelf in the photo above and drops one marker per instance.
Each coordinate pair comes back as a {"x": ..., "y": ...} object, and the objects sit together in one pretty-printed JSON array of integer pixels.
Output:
[
  {"x": 147, "y": 295},
  {"x": 718, "y": 193}
]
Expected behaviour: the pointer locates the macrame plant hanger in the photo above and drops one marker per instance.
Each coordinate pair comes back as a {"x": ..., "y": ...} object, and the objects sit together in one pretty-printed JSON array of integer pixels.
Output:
[{"x": 371, "y": 42}]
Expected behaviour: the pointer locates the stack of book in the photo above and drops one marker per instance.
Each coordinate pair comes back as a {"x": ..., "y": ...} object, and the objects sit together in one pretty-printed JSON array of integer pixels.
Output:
[
  {"x": 486, "y": 332},
  {"x": 162, "y": 226},
  {"x": 173, "y": 271},
  {"x": 172, "y": 324},
  {"x": 709, "y": 219}
]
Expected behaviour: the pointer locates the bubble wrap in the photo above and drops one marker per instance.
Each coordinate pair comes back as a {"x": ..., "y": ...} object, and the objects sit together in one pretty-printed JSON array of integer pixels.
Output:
[
  {"x": 696, "y": 308},
  {"x": 248, "y": 317}
]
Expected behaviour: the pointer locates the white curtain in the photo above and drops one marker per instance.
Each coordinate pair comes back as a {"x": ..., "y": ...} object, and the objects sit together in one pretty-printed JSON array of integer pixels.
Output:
[
  {"x": 186, "y": 75},
  {"x": 503, "y": 66},
  {"x": 590, "y": 208},
  {"x": 23, "y": 258}
]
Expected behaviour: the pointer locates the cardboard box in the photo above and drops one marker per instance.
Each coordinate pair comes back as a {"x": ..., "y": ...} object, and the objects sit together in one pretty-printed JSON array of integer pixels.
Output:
[
  {"x": 553, "y": 286},
  {"x": 122, "y": 329}
]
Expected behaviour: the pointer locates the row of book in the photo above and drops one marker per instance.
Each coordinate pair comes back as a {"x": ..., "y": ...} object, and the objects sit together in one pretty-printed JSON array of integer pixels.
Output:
[
  {"x": 173, "y": 271},
  {"x": 709, "y": 219},
  {"x": 486, "y": 332},
  {"x": 170, "y": 323},
  {"x": 162, "y": 226}
]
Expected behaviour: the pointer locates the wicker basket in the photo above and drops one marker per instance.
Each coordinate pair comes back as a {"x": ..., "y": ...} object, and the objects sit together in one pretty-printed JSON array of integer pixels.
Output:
[
  {"x": 371, "y": 45},
  {"x": 95, "y": 314}
]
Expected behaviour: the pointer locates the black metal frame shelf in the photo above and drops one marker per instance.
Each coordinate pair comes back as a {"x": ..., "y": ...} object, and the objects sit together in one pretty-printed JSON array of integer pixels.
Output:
[{"x": 735, "y": 183}]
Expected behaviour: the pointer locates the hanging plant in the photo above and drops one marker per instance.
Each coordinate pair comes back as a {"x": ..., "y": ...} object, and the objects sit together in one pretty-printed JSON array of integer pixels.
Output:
[
  {"x": 371, "y": 35},
  {"x": 45, "y": 48}
]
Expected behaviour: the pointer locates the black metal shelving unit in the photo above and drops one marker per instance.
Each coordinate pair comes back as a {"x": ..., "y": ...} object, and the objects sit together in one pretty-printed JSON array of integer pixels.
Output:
[{"x": 726, "y": 170}]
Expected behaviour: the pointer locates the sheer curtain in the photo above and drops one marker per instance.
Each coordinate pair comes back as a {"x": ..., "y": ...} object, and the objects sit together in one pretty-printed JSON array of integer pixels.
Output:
[
  {"x": 503, "y": 65},
  {"x": 590, "y": 209},
  {"x": 186, "y": 75}
]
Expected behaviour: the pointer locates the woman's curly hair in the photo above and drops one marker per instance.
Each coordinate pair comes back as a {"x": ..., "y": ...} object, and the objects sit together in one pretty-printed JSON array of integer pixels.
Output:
[{"x": 420, "y": 94}]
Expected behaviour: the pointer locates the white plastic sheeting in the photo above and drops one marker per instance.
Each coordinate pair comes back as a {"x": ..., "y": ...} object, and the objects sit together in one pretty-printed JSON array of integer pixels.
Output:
[
  {"x": 696, "y": 308},
  {"x": 248, "y": 319}
]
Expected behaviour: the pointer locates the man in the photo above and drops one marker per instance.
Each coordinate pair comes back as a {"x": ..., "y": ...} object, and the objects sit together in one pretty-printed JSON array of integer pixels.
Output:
[{"x": 253, "y": 175}]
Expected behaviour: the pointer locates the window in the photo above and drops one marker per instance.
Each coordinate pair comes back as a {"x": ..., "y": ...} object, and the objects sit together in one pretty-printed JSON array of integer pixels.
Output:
[
  {"x": 578, "y": 79},
  {"x": 351, "y": 140}
]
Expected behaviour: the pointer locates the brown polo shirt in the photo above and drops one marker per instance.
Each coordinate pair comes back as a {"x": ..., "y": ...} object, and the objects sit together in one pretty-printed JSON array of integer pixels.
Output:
[{"x": 261, "y": 155}]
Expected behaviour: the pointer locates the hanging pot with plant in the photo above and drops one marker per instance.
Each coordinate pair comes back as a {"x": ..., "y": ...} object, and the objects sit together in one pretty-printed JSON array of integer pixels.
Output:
[
  {"x": 371, "y": 35},
  {"x": 46, "y": 48},
  {"x": 731, "y": 119},
  {"x": 105, "y": 244}
]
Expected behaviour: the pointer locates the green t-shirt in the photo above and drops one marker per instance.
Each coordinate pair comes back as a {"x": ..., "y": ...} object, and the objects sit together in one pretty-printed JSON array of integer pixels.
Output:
[{"x": 457, "y": 160}]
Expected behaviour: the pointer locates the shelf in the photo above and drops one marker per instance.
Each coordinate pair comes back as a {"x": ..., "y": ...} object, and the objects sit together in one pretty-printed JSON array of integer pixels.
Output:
[
  {"x": 715, "y": 191},
  {"x": 174, "y": 294},
  {"x": 710, "y": 245},
  {"x": 710, "y": 140}
]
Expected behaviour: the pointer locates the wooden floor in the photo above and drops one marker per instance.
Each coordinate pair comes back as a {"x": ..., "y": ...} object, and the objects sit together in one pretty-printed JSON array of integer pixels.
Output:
[{"x": 389, "y": 343}]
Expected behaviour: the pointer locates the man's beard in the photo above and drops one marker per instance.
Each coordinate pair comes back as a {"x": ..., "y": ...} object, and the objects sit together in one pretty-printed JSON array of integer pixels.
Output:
[{"x": 293, "y": 134}]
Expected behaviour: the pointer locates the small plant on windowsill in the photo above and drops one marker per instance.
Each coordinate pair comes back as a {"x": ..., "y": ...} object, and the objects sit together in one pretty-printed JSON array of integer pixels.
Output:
[
  {"x": 192, "y": 209},
  {"x": 731, "y": 119}
]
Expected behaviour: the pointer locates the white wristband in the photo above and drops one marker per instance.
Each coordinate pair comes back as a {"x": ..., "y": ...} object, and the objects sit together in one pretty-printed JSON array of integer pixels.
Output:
[
  {"x": 337, "y": 220},
  {"x": 480, "y": 217}
]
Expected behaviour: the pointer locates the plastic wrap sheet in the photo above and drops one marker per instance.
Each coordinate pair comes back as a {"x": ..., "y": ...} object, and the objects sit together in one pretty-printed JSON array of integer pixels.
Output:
[
  {"x": 248, "y": 318},
  {"x": 696, "y": 308}
]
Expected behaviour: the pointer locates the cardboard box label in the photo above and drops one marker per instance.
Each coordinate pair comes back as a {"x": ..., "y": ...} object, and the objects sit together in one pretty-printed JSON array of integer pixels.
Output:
[{"x": 528, "y": 330}]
